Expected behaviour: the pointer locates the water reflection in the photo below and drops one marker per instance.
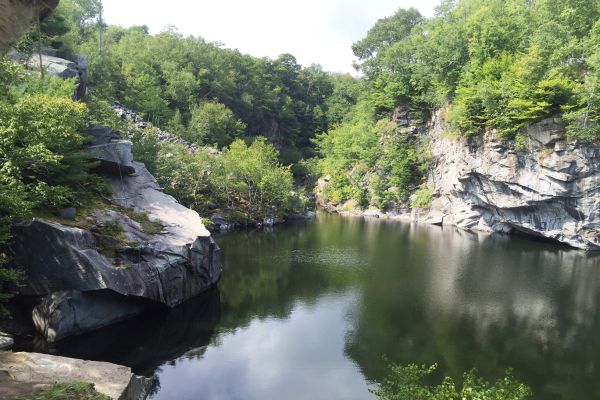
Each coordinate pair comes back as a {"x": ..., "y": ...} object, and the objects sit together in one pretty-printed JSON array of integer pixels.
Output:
[
  {"x": 487, "y": 301},
  {"x": 299, "y": 357},
  {"x": 150, "y": 340},
  {"x": 308, "y": 312}
]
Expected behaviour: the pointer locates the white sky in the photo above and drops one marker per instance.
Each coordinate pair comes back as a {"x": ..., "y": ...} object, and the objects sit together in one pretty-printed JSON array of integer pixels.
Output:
[{"x": 315, "y": 31}]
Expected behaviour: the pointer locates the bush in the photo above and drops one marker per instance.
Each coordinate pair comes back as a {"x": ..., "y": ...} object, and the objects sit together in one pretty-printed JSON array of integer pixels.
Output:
[
  {"x": 41, "y": 150},
  {"x": 408, "y": 383},
  {"x": 145, "y": 145},
  {"x": 213, "y": 123},
  {"x": 422, "y": 198},
  {"x": 102, "y": 113},
  {"x": 244, "y": 181},
  {"x": 373, "y": 163},
  {"x": 255, "y": 181},
  {"x": 42, "y": 162}
]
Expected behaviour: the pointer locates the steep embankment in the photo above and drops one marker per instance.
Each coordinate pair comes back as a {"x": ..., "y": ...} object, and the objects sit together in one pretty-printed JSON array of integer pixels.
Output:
[
  {"x": 97, "y": 266},
  {"x": 548, "y": 189}
]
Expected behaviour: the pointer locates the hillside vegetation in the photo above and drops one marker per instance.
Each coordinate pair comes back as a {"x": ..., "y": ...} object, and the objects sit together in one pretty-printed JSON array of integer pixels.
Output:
[{"x": 491, "y": 65}]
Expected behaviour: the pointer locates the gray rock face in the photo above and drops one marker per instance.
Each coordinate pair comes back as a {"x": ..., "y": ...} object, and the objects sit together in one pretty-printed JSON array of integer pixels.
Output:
[
  {"x": 63, "y": 314},
  {"x": 59, "y": 67},
  {"x": 59, "y": 258},
  {"x": 103, "y": 135},
  {"x": 6, "y": 341},
  {"x": 17, "y": 15},
  {"x": 114, "y": 381},
  {"x": 90, "y": 279},
  {"x": 552, "y": 190},
  {"x": 115, "y": 157}
]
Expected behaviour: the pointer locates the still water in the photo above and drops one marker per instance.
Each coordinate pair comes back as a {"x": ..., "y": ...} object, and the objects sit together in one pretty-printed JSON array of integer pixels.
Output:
[{"x": 309, "y": 311}]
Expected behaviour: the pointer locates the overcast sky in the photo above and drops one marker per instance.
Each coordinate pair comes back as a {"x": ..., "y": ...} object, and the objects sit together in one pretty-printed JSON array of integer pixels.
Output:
[{"x": 315, "y": 31}]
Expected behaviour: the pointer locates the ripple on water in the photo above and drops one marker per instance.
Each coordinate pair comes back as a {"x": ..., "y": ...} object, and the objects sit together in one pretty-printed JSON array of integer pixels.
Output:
[{"x": 329, "y": 256}]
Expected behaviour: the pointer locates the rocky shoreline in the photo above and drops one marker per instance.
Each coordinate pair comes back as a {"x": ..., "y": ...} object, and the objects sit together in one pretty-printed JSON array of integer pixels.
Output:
[
  {"x": 549, "y": 189},
  {"x": 32, "y": 373},
  {"x": 137, "y": 249}
]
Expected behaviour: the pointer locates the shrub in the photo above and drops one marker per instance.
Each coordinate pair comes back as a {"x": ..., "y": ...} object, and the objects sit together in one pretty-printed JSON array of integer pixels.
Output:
[
  {"x": 42, "y": 162},
  {"x": 245, "y": 181},
  {"x": 423, "y": 197},
  {"x": 212, "y": 123},
  {"x": 371, "y": 162},
  {"x": 408, "y": 383}
]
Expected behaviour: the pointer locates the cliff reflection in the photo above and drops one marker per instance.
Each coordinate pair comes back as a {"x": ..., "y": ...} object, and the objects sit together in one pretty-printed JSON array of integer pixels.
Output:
[
  {"x": 150, "y": 340},
  {"x": 488, "y": 301}
]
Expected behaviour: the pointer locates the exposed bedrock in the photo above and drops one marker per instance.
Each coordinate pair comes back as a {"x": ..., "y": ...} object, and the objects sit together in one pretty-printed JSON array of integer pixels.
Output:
[
  {"x": 142, "y": 249},
  {"x": 550, "y": 190},
  {"x": 17, "y": 15},
  {"x": 34, "y": 372}
]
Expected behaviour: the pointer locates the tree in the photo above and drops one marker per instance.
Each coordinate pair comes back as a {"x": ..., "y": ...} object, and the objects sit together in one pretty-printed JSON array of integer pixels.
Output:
[
  {"x": 214, "y": 123},
  {"x": 386, "y": 32}
]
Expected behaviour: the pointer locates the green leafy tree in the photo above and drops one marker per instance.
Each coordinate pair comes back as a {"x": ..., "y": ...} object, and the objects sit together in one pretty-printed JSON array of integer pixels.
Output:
[
  {"x": 374, "y": 163},
  {"x": 255, "y": 183},
  {"x": 386, "y": 32},
  {"x": 214, "y": 123},
  {"x": 42, "y": 162}
]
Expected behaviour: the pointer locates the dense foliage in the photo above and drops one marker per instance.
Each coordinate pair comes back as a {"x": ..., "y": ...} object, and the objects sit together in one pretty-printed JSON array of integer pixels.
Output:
[
  {"x": 409, "y": 383},
  {"x": 212, "y": 123},
  {"x": 374, "y": 163},
  {"x": 246, "y": 183},
  {"x": 42, "y": 162},
  {"x": 200, "y": 89},
  {"x": 500, "y": 64},
  {"x": 491, "y": 64}
]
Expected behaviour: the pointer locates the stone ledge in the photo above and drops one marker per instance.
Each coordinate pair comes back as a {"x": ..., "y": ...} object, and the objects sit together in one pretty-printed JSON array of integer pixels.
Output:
[{"x": 114, "y": 381}]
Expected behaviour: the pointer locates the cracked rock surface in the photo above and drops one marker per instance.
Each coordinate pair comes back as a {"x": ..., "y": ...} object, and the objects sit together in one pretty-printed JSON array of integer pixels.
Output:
[
  {"x": 156, "y": 252},
  {"x": 550, "y": 190}
]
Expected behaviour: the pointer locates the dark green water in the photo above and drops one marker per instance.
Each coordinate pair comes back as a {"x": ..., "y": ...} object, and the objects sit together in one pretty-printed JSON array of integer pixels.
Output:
[{"x": 308, "y": 312}]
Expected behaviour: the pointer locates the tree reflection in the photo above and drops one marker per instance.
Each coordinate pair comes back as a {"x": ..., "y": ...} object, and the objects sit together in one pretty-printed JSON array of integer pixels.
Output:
[{"x": 491, "y": 302}]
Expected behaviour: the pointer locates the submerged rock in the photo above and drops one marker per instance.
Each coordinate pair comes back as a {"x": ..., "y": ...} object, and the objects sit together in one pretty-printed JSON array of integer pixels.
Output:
[
  {"x": 220, "y": 222},
  {"x": 114, "y": 381}
]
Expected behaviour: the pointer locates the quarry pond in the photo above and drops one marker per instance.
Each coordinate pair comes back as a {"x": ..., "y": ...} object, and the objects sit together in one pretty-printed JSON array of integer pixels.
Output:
[{"x": 317, "y": 310}]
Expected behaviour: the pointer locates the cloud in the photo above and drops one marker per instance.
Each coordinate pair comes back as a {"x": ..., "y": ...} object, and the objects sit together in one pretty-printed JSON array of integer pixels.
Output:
[{"x": 301, "y": 357}]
